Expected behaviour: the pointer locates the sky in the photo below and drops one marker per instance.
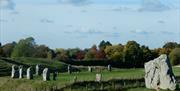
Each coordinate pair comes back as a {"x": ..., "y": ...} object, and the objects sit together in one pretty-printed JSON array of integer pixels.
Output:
[{"x": 82, "y": 23}]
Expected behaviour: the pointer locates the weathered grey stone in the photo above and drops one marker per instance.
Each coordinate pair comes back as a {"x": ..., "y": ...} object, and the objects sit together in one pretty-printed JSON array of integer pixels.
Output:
[
  {"x": 37, "y": 70},
  {"x": 46, "y": 74},
  {"x": 69, "y": 69},
  {"x": 98, "y": 77},
  {"x": 29, "y": 73},
  {"x": 109, "y": 67},
  {"x": 14, "y": 72},
  {"x": 159, "y": 74},
  {"x": 89, "y": 69},
  {"x": 20, "y": 72}
]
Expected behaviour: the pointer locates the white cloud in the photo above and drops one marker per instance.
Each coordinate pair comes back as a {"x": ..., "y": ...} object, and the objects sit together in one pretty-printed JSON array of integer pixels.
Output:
[
  {"x": 45, "y": 20},
  {"x": 153, "y": 5},
  {"x": 139, "y": 31},
  {"x": 7, "y": 4},
  {"x": 75, "y": 2},
  {"x": 167, "y": 32}
]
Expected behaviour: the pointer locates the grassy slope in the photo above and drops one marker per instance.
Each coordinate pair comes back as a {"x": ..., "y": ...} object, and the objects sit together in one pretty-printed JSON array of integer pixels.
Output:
[{"x": 5, "y": 64}]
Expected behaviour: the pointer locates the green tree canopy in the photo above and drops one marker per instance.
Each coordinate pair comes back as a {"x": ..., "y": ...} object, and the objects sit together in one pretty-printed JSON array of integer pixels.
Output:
[
  {"x": 24, "y": 48},
  {"x": 170, "y": 45},
  {"x": 175, "y": 56},
  {"x": 132, "y": 53},
  {"x": 103, "y": 44},
  {"x": 1, "y": 50}
]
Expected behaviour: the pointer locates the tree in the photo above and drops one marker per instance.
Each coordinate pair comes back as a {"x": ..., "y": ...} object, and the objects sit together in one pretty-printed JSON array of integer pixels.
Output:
[
  {"x": 175, "y": 56},
  {"x": 50, "y": 54},
  {"x": 61, "y": 54},
  {"x": 1, "y": 51},
  {"x": 146, "y": 55},
  {"x": 24, "y": 48},
  {"x": 8, "y": 48},
  {"x": 100, "y": 55},
  {"x": 104, "y": 44},
  {"x": 165, "y": 51},
  {"x": 132, "y": 54},
  {"x": 115, "y": 52},
  {"x": 80, "y": 55},
  {"x": 170, "y": 45},
  {"x": 91, "y": 54},
  {"x": 41, "y": 51},
  {"x": 72, "y": 53}
]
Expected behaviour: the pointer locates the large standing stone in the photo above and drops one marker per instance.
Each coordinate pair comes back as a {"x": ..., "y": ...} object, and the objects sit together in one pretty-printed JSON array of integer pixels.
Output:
[
  {"x": 29, "y": 73},
  {"x": 69, "y": 69},
  {"x": 109, "y": 67},
  {"x": 159, "y": 74},
  {"x": 14, "y": 73},
  {"x": 37, "y": 70},
  {"x": 89, "y": 68},
  {"x": 20, "y": 72},
  {"x": 46, "y": 74},
  {"x": 98, "y": 77}
]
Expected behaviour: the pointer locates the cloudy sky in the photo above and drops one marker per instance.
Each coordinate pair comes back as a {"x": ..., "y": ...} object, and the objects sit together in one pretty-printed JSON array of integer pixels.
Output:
[{"x": 82, "y": 23}]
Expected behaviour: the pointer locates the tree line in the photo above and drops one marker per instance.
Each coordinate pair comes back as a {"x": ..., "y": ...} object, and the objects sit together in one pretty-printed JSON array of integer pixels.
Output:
[{"x": 132, "y": 53}]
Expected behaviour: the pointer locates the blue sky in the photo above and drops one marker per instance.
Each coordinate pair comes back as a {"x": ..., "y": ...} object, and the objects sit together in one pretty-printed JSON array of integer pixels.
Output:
[{"x": 82, "y": 23}]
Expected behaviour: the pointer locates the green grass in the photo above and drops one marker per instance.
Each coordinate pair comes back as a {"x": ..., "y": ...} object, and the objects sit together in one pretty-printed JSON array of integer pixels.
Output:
[
  {"x": 5, "y": 64},
  {"x": 64, "y": 79}
]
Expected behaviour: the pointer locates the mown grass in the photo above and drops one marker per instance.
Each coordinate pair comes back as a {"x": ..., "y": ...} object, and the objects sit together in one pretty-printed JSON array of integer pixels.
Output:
[{"x": 64, "y": 79}]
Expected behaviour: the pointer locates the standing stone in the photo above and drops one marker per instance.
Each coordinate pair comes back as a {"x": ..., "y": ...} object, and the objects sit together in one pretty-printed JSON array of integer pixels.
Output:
[
  {"x": 159, "y": 74},
  {"x": 55, "y": 74},
  {"x": 37, "y": 70},
  {"x": 109, "y": 67},
  {"x": 69, "y": 69},
  {"x": 29, "y": 73},
  {"x": 89, "y": 69},
  {"x": 75, "y": 79},
  {"x": 46, "y": 74},
  {"x": 14, "y": 73},
  {"x": 98, "y": 77},
  {"x": 20, "y": 72}
]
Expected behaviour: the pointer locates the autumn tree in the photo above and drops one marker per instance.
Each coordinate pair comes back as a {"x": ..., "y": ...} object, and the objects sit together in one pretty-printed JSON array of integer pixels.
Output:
[
  {"x": 91, "y": 53},
  {"x": 41, "y": 51},
  {"x": 80, "y": 55},
  {"x": 8, "y": 48},
  {"x": 115, "y": 52},
  {"x": 72, "y": 53},
  {"x": 61, "y": 54}
]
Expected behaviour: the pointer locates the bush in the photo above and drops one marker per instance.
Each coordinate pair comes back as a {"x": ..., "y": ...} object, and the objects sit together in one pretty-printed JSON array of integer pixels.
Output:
[{"x": 175, "y": 56}]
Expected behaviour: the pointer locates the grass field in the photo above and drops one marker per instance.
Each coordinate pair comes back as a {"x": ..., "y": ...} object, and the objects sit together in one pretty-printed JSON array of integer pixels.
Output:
[{"x": 64, "y": 79}]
